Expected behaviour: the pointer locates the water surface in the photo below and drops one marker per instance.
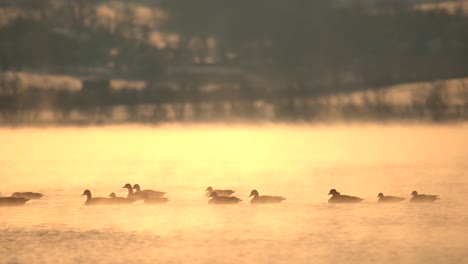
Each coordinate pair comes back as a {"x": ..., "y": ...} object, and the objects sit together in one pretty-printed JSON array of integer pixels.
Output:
[{"x": 299, "y": 162}]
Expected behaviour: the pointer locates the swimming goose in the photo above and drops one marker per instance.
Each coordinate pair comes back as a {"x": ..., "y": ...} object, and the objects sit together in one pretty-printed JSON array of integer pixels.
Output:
[
  {"x": 155, "y": 200},
  {"x": 265, "y": 198},
  {"x": 215, "y": 199},
  {"x": 338, "y": 198},
  {"x": 148, "y": 193},
  {"x": 27, "y": 195},
  {"x": 12, "y": 201},
  {"x": 131, "y": 194},
  {"x": 94, "y": 201},
  {"x": 121, "y": 200},
  {"x": 423, "y": 198},
  {"x": 209, "y": 190},
  {"x": 389, "y": 199},
  {"x": 101, "y": 200}
]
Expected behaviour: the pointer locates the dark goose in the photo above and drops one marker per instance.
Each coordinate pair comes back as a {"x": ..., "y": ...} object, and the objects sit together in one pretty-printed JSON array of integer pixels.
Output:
[
  {"x": 263, "y": 199},
  {"x": 121, "y": 200},
  {"x": 389, "y": 199},
  {"x": 215, "y": 199},
  {"x": 423, "y": 198},
  {"x": 148, "y": 193},
  {"x": 338, "y": 198},
  {"x": 101, "y": 200},
  {"x": 209, "y": 190},
  {"x": 12, "y": 201},
  {"x": 131, "y": 194},
  {"x": 155, "y": 200},
  {"x": 27, "y": 195}
]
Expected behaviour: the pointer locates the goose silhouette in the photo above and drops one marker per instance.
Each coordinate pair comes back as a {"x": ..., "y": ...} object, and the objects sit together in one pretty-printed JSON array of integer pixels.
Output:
[
  {"x": 423, "y": 198},
  {"x": 133, "y": 195},
  {"x": 389, "y": 199},
  {"x": 215, "y": 199},
  {"x": 210, "y": 189},
  {"x": 12, "y": 201},
  {"x": 263, "y": 199},
  {"x": 121, "y": 200},
  {"x": 148, "y": 193},
  {"x": 155, "y": 200},
  {"x": 338, "y": 198},
  {"x": 27, "y": 195},
  {"x": 102, "y": 200}
]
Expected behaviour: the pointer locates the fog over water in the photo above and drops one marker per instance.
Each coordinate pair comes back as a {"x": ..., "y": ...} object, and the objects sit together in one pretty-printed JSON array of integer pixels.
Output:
[{"x": 301, "y": 163}]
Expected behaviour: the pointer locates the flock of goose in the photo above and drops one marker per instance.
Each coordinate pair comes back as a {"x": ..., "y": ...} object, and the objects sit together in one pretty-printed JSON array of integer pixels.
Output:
[
  {"x": 224, "y": 197},
  {"x": 416, "y": 198},
  {"x": 216, "y": 197},
  {"x": 148, "y": 197},
  {"x": 19, "y": 198}
]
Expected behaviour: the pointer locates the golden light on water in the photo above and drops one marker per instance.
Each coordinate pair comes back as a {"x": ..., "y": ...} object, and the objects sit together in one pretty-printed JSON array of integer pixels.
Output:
[
  {"x": 299, "y": 162},
  {"x": 330, "y": 131},
  {"x": 253, "y": 152}
]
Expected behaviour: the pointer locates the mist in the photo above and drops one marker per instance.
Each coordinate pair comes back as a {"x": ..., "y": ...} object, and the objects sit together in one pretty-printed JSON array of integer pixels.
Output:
[
  {"x": 299, "y": 162},
  {"x": 304, "y": 117}
]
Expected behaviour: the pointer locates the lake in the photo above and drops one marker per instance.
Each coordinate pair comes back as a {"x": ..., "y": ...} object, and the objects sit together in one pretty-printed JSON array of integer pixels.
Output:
[{"x": 299, "y": 162}]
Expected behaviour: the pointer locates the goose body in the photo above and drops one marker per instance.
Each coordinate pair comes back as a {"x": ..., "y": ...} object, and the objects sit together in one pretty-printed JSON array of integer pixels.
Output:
[
  {"x": 389, "y": 199},
  {"x": 263, "y": 199},
  {"x": 101, "y": 200},
  {"x": 156, "y": 200},
  {"x": 148, "y": 193},
  {"x": 27, "y": 195},
  {"x": 338, "y": 198},
  {"x": 121, "y": 200},
  {"x": 215, "y": 199},
  {"x": 12, "y": 201},
  {"x": 210, "y": 189},
  {"x": 423, "y": 198}
]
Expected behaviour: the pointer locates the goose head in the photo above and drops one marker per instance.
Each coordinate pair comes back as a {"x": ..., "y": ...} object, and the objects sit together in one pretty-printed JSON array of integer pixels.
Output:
[
  {"x": 136, "y": 187},
  {"x": 380, "y": 195},
  {"x": 209, "y": 189},
  {"x": 213, "y": 194},
  {"x": 414, "y": 193},
  {"x": 112, "y": 195},
  {"x": 128, "y": 186},
  {"x": 333, "y": 192},
  {"x": 254, "y": 193},
  {"x": 87, "y": 193}
]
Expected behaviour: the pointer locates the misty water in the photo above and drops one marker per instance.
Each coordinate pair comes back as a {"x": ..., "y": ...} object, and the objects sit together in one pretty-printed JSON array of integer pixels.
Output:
[{"x": 301, "y": 163}]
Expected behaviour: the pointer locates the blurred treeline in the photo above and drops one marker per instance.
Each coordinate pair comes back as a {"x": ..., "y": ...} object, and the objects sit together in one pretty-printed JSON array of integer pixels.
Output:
[
  {"x": 207, "y": 57},
  {"x": 302, "y": 41}
]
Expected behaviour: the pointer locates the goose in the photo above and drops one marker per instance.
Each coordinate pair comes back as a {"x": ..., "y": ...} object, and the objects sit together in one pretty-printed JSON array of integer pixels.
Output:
[
  {"x": 209, "y": 190},
  {"x": 338, "y": 198},
  {"x": 121, "y": 200},
  {"x": 27, "y": 195},
  {"x": 389, "y": 199},
  {"x": 148, "y": 193},
  {"x": 131, "y": 194},
  {"x": 95, "y": 201},
  {"x": 423, "y": 198},
  {"x": 265, "y": 198},
  {"x": 101, "y": 200},
  {"x": 155, "y": 200},
  {"x": 12, "y": 201},
  {"x": 215, "y": 199}
]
